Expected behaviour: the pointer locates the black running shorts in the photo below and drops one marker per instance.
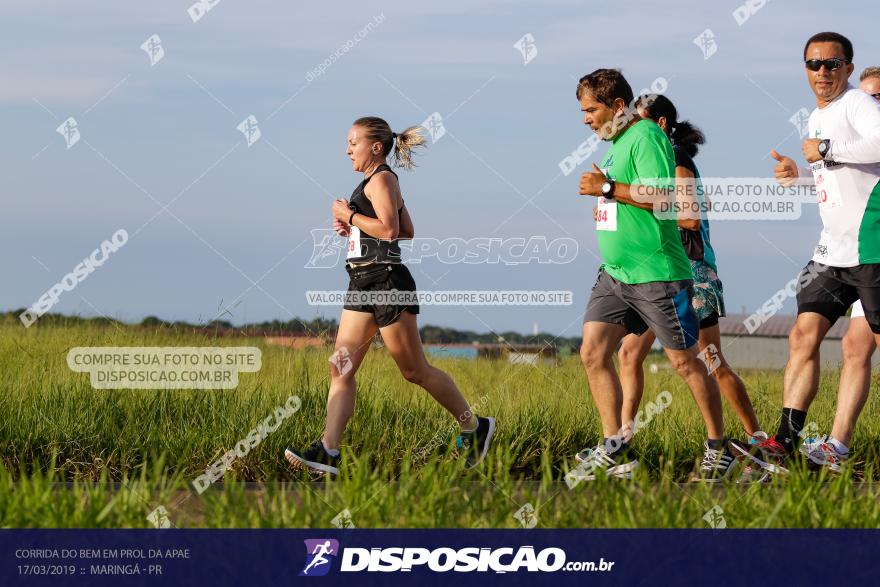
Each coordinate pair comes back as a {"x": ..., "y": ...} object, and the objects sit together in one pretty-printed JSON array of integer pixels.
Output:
[
  {"x": 379, "y": 290},
  {"x": 830, "y": 291}
]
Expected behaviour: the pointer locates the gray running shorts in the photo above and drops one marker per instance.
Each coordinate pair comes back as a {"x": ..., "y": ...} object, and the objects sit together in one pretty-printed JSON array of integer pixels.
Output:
[{"x": 663, "y": 306}]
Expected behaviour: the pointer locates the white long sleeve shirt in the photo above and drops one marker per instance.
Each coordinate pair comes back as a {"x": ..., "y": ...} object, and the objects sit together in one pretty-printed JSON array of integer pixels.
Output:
[{"x": 848, "y": 183}]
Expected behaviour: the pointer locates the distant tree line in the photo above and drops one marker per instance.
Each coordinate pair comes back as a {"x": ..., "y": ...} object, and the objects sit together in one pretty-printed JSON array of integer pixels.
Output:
[{"x": 320, "y": 327}]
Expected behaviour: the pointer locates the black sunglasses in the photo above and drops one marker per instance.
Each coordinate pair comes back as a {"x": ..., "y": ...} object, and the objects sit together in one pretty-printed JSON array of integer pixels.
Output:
[
  {"x": 876, "y": 96},
  {"x": 831, "y": 64}
]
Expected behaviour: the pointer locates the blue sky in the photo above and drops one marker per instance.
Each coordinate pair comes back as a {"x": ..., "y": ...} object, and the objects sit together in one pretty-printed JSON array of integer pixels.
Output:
[{"x": 244, "y": 214}]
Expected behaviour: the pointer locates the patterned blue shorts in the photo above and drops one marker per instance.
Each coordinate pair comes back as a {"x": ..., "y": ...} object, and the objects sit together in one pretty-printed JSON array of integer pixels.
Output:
[{"x": 708, "y": 292}]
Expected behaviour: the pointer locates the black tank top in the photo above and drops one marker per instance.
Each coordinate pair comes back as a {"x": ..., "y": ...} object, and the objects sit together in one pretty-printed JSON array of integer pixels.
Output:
[
  {"x": 691, "y": 239},
  {"x": 362, "y": 247}
]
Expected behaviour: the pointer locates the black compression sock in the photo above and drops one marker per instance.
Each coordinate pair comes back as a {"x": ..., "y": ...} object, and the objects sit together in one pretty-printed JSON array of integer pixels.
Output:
[{"x": 789, "y": 428}]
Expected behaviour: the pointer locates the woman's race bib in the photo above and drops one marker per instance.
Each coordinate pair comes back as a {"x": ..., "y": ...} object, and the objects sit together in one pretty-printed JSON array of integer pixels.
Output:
[{"x": 354, "y": 243}]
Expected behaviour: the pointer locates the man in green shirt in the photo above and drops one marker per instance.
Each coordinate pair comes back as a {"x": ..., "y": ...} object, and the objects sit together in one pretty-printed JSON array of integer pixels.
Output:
[{"x": 644, "y": 281}]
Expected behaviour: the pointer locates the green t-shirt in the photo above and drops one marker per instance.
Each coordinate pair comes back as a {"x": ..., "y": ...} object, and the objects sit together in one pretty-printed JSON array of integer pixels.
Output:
[{"x": 643, "y": 248}]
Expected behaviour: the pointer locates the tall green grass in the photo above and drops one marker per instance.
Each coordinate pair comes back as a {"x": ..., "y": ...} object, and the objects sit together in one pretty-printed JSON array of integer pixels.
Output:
[{"x": 76, "y": 456}]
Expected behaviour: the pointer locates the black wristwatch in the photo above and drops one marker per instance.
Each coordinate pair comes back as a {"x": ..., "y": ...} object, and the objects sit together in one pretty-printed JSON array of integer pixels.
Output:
[
  {"x": 608, "y": 189},
  {"x": 824, "y": 148}
]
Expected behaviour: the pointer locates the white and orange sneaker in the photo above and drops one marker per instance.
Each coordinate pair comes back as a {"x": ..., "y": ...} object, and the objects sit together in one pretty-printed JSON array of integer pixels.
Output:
[{"x": 825, "y": 454}]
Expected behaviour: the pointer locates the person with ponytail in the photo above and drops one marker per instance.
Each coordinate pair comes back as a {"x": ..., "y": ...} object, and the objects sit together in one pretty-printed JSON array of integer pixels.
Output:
[
  {"x": 382, "y": 297},
  {"x": 708, "y": 300}
]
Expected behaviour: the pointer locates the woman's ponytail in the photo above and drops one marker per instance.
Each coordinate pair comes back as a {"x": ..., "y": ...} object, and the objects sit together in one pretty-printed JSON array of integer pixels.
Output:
[{"x": 401, "y": 145}]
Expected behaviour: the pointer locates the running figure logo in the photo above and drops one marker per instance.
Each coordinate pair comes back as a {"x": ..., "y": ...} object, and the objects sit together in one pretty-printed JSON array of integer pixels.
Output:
[
  {"x": 801, "y": 121},
  {"x": 342, "y": 360},
  {"x": 249, "y": 127},
  {"x": 159, "y": 518},
  {"x": 715, "y": 518},
  {"x": 706, "y": 42},
  {"x": 343, "y": 518},
  {"x": 434, "y": 125},
  {"x": 810, "y": 432},
  {"x": 153, "y": 48},
  {"x": 526, "y": 46},
  {"x": 711, "y": 357},
  {"x": 327, "y": 248},
  {"x": 526, "y": 516},
  {"x": 317, "y": 553},
  {"x": 70, "y": 131}
]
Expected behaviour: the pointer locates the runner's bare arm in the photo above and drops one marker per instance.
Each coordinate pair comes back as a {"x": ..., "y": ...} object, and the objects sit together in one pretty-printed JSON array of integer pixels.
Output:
[
  {"x": 686, "y": 195},
  {"x": 382, "y": 192},
  {"x": 407, "y": 231},
  {"x": 787, "y": 171},
  {"x": 340, "y": 227},
  {"x": 639, "y": 196},
  {"x": 591, "y": 185}
]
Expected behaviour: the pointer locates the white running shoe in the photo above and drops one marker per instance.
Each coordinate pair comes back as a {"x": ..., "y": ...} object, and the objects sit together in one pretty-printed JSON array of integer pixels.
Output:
[
  {"x": 825, "y": 455},
  {"x": 598, "y": 461},
  {"x": 716, "y": 464}
]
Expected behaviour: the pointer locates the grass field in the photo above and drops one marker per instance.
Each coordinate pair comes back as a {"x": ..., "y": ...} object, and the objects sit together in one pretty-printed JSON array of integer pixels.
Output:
[{"x": 73, "y": 456}]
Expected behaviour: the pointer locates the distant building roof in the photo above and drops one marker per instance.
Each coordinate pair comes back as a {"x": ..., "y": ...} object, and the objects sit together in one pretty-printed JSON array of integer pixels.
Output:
[{"x": 775, "y": 327}]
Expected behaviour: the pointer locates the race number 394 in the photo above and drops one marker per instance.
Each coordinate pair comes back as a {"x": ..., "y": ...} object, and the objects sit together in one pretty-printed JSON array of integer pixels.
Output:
[{"x": 606, "y": 215}]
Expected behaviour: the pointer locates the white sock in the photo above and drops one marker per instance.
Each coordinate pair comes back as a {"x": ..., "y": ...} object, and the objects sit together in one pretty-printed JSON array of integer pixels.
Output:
[
  {"x": 838, "y": 446},
  {"x": 330, "y": 451}
]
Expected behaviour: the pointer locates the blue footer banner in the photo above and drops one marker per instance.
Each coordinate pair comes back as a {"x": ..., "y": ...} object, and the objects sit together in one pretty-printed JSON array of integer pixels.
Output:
[{"x": 436, "y": 557}]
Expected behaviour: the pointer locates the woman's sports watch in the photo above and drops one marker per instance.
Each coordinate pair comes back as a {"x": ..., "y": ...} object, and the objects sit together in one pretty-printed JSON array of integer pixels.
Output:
[
  {"x": 824, "y": 148},
  {"x": 608, "y": 188}
]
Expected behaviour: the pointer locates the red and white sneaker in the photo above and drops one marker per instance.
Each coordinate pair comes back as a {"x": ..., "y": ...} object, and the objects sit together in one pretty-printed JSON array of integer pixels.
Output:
[{"x": 769, "y": 455}]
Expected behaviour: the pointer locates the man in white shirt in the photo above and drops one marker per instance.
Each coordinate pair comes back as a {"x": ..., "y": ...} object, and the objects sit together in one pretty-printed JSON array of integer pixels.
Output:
[
  {"x": 858, "y": 348},
  {"x": 843, "y": 152}
]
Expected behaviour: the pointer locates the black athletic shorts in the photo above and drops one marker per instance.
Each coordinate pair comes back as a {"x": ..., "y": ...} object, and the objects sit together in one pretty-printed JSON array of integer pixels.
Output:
[
  {"x": 710, "y": 320},
  {"x": 388, "y": 283},
  {"x": 830, "y": 291}
]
